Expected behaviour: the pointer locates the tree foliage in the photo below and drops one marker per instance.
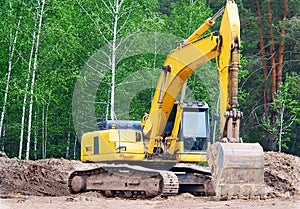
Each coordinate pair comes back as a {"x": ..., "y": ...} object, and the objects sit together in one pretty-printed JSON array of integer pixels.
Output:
[{"x": 73, "y": 30}]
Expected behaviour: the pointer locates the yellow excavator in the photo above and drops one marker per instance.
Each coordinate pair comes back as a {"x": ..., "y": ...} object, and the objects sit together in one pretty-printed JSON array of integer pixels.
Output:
[{"x": 157, "y": 156}]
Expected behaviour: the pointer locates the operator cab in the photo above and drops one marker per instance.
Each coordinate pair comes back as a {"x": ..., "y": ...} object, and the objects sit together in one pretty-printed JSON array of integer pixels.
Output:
[{"x": 194, "y": 127}]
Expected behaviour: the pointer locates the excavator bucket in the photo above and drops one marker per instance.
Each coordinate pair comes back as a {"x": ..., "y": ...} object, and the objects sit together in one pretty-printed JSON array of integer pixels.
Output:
[{"x": 237, "y": 170}]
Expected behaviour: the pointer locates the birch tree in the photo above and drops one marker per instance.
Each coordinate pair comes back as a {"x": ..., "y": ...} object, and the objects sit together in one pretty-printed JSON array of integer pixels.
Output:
[
  {"x": 113, "y": 9},
  {"x": 26, "y": 89},
  {"x": 13, "y": 36},
  {"x": 40, "y": 8},
  {"x": 114, "y": 19}
]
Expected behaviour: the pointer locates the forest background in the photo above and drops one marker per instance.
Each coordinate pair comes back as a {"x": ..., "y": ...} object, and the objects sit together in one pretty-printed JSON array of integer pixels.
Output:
[{"x": 46, "y": 43}]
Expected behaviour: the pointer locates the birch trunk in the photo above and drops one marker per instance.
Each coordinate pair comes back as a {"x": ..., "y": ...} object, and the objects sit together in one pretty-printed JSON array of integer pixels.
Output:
[
  {"x": 43, "y": 132},
  {"x": 35, "y": 66},
  {"x": 35, "y": 136},
  {"x": 25, "y": 95},
  {"x": 3, "y": 141},
  {"x": 75, "y": 144},
  {"x": 10, "y": 67},
  {"x": 115, "y": 12},
  {"x": 68, "y": 142},
  {"x": 113, "y": 62},
  {"x": 46, "y": 128}
]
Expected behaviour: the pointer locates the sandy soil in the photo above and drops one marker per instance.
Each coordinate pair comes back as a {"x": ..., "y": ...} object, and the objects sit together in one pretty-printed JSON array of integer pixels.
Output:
[
  {"x": 43, "y": 184},
  {"x": 93, "y": 200}
]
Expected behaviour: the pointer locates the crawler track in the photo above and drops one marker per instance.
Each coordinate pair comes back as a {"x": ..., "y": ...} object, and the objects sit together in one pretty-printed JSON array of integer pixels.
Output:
[
  {"x": 131, "y": 181},
  {"x": 124, "y": 181}
]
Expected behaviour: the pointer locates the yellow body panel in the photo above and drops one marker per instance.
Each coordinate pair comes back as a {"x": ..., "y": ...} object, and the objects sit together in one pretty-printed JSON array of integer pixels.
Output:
[
  {"x": 111, "y": 144},
  {"x": 191, "y": 157},
  {"x": 188, "y": 156},
  {"x": 118, "y": 145}
]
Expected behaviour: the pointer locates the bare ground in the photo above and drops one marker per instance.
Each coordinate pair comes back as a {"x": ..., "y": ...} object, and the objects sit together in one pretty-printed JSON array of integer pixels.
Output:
[
  {"x": 92, "y": 200},
  {"x": 43, "y": 183}
]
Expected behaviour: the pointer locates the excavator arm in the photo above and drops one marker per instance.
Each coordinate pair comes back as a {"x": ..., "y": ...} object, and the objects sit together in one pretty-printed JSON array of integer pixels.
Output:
[
  {"x": 185, "y": 59},
  {"x": 179, "y": 65},
  {"x": 228, "y": 61}
]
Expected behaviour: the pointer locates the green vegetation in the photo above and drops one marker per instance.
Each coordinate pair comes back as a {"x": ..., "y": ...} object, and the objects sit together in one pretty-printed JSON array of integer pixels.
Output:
[{"x": 46, "y": 43}]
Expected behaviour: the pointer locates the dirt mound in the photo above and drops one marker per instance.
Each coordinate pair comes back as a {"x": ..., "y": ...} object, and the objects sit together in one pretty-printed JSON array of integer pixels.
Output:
[
  {"x": 49, "y": 177},
  {"x": 41, "y": 177},
  {"x": 34, "y": 178},
  {"x": 282, "y": 174}
]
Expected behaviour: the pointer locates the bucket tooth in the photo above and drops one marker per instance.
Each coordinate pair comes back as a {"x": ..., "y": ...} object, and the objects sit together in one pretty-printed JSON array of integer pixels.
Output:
[{"x": 237, "y": 170}]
